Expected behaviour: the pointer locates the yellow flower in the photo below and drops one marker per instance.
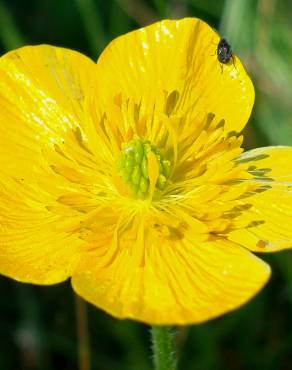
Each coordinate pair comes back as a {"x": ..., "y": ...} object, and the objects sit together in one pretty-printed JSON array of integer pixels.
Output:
[{"x": 128, "y": 176}]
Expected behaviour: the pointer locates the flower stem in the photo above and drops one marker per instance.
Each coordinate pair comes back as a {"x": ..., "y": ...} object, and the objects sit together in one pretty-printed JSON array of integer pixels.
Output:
[
  {"x": 82, "y": 332},
  {"x": 163, "y": 348}
]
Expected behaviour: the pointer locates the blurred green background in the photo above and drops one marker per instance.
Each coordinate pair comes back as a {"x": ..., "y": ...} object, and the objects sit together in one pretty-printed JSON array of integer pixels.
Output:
[{"x": 38, "y": 324}]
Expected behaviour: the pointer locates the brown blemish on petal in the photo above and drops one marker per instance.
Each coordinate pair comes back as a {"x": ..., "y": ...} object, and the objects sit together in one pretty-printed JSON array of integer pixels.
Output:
[{"x": 262, "y": 244}]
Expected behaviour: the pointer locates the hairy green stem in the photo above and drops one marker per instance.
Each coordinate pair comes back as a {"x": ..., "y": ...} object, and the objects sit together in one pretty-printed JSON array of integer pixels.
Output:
[{"x": 163, "y": 348}]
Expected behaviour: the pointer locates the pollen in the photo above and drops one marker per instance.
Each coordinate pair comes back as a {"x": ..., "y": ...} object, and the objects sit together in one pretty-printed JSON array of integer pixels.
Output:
[{"x": 136, "y": 168}]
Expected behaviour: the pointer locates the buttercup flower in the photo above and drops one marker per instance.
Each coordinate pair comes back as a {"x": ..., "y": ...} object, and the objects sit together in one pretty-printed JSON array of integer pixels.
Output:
[{"x": 128, "y": 176}]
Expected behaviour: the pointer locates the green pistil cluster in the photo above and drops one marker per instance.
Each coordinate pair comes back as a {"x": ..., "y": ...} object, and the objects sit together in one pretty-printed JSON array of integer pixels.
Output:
[{"x": 133, "y": 167}]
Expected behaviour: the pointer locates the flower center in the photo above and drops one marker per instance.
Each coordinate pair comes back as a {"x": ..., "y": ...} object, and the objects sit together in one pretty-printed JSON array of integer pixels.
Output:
[{"x": 140, "y": 165}]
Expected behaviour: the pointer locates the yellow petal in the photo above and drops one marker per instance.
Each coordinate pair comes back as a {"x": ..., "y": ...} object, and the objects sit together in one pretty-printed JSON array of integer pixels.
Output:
[
  {"x": 42, "y": 155},
  {"x": 179, "y": 282},
  {"x": 31, "y": 249},
  {"x": 172, "y": 66},
  {"x": 269, "y": 212}
]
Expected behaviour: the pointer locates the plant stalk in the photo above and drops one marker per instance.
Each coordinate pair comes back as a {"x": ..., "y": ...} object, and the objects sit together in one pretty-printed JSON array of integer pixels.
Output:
[{"x": 164, "y": 355}]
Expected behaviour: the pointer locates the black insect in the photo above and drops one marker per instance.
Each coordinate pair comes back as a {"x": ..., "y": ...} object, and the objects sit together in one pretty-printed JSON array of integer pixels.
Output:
[{"x": 224, "y": 52}]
